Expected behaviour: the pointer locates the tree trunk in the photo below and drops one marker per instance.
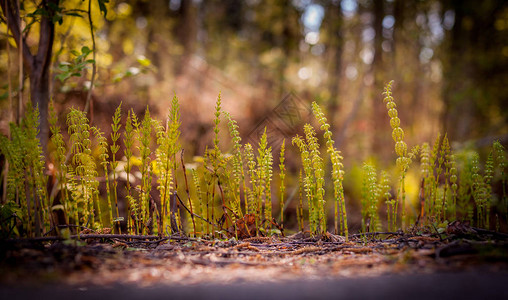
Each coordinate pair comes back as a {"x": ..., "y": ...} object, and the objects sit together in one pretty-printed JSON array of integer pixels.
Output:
[{"x": 335, "y": 45}]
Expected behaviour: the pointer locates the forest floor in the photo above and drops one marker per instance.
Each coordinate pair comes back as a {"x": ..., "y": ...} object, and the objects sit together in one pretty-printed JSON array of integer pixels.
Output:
[{"x": 463, "y": 264}]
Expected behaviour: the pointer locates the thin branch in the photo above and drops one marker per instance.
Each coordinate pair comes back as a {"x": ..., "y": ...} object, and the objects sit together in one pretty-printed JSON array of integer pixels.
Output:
[
  {"x": 100, "y": 236},
  {"x": 94, "y": 65},
  {"x": 376, "y": 233},
  {"x": 13, "y": 21},
  {"x": 196, "y": 215},
  {"x": 46, "y": 37},
  {"x": 187, "y": 191}
]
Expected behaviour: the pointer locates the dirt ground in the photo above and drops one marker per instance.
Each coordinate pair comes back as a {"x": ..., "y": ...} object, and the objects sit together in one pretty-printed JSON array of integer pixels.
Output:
[{"x": 295, "y": 267}]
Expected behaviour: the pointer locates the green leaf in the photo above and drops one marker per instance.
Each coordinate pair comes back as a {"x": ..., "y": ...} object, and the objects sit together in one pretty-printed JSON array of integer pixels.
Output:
[
  {"x": 85, "y": 50},
  {"x": 63, "y": 68},
  {"x": 57, "y": 18},
  {"x": 62, "y": 77},
  {"x": 74, "y": 15},
  {"x": 102, "y": 6}
]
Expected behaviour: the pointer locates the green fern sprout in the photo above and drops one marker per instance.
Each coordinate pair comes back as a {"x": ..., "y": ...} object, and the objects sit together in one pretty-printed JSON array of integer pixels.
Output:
[
  {"x": 370, "y": 199},
  {"x": 436, "y": 163},
  {"x": 299, "y": 208},
  {"x": 20, "y": 180},
  {"x": 264, "y": 177},
  {"x": 250, "y": 201},
  {"x": 134, "y": 210},
  {"x": 84, "y": 165},
  {"x": 131, "y": 129},
  {"x": 502, "y": 162},
  {"x": 35, "y": 164},
  {"x": 144, "y": 133},
  {"x": 103, "y": 158},
  {"x": 115, "y": 136},
  {"x": 337, "y": 173},
  {"x": 13, "y": 152},
  {"x": 403, "y": 160},
  {"x": 445, "y": 157},
  {"x": 487, "y": 187},
  {"x": 478, "y": 189},
  {"x": 167, "y": 139},
  {"x": 428, "y": 182},
  {"x": 319, "y": 173},
  {"x": 453, "y": 185},
  {"x": 384, "y": 192},
  {"x": 314, "y": 178},
  {"x": 60, "y": 158},
  {"x": 282, "y": 176},
  {"x": 237, "y": 170},
  {"x": 216, "y": 129}
]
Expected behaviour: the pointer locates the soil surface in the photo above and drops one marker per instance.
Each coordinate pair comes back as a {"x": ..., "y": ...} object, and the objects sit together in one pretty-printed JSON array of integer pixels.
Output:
[{"x": 376, "y": 266}]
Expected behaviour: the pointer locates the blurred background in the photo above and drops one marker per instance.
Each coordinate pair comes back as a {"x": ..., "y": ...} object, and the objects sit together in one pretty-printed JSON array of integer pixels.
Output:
[{"x": 448, "y": 59}]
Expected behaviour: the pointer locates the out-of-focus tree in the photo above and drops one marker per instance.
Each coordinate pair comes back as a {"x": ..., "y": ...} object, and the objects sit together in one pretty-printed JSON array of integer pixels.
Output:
[
  {"x": 475, "y": 64},
  {"x": 22, "y": 19}
]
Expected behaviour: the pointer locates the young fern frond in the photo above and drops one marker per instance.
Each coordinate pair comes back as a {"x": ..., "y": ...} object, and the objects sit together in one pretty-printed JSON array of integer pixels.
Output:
[
  {"x": 282, "y": 176},
  {"x": 60, "y": 159},
  {"x": 103, "y": 158},
  {"x": 35, "y": 168},
  {"x": 502, "y": 162},
  {"x": 237, "y": 160},
  {"x": 403, "y": 160},
  {"x": 427, "y": 172},
  {"x": 144, "y": 133},
  {"x": 264, "y": 177},
  {"x": 115, "y": 136},
  {"x": 131, "y": 128},
  {"x": 309, "y": 183},
  {"x": 370, "y": 199},
  {"x": 445, "y": 156},
  {"x": 84, "y": 168},
  {"x": 250, "y": 201},
  {"x": 167, "y": 139},
  {"x": 337, "y": 172}
]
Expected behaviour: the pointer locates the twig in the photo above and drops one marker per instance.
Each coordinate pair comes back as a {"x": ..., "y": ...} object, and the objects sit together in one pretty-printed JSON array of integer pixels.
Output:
[
  {"x": 94, "y": 65},
  {"x": 490, "y": 232},
  {"x": 188, "y": 193},
  {"x": 66, "y": 226},
  {"x": 196, "y": 215},
  {"x": 376, "y": 233},
  {"x": 101, "y": 236}
]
